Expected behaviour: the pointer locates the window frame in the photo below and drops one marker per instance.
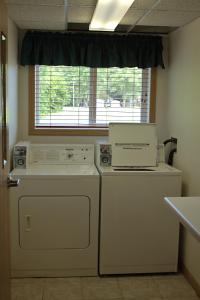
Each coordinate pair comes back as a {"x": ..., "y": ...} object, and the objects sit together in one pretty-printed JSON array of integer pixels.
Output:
[{"x": 79, "y": 131}]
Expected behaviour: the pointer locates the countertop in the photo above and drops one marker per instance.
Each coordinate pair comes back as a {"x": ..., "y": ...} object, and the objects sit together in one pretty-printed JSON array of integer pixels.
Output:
[{"x": 187, "y": 210}]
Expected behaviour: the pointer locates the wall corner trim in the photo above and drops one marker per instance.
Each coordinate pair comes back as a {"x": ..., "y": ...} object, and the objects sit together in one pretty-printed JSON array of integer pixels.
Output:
[{"x": 190, "y": 278}]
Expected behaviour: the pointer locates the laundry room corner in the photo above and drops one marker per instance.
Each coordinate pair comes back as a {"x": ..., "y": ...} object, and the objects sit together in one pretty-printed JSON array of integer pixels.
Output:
[{"x": 99, "y": 134}]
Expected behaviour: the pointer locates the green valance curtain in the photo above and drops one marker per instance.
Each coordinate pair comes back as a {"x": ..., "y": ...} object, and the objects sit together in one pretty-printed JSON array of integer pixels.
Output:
[{"x": 91, "y": 50}]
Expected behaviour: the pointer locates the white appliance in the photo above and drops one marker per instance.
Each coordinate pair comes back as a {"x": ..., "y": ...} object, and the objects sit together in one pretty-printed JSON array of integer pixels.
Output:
[
  {"x": 133, "y": 144},
  {"x": 54, "y": 213},
  {"x": 138, "y": 234}
]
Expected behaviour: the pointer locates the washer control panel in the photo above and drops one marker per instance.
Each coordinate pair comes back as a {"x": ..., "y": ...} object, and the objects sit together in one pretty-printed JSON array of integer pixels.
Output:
[{"x": 62, "y": 153}]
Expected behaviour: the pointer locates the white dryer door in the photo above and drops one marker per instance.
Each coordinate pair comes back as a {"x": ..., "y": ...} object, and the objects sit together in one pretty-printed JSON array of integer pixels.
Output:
[{"x": 54, "y": 222}]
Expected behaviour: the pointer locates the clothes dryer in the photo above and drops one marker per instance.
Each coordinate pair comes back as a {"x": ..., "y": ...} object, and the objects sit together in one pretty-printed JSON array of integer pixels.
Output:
[{"x": 54, "y": 213}]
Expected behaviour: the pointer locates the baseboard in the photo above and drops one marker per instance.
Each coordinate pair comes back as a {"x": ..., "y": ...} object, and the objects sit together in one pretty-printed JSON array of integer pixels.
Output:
[{"x": 191, "y": 279}]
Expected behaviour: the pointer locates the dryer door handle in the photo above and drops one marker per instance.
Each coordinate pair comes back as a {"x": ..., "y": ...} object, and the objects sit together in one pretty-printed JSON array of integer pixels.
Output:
[
  {"x": 28, "y": 222},
  {"x": 12, "y": 182}
]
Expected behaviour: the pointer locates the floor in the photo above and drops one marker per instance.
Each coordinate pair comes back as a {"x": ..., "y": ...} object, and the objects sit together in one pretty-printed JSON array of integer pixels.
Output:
[{"x": 163, "y": 287}]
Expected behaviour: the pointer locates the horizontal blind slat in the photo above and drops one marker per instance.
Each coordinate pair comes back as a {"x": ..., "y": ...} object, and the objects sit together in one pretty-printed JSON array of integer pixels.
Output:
[{"x": 63, "y": 96}]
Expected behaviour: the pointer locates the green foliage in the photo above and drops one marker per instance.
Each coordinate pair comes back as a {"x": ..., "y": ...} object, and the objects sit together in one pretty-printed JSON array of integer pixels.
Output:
[
  {"x": 123, "y": 85},
  {"x": 59, "y": 87}
]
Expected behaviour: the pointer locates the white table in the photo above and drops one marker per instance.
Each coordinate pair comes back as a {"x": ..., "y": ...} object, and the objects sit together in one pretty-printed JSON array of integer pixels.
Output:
[{"x": 187, "y": 210}]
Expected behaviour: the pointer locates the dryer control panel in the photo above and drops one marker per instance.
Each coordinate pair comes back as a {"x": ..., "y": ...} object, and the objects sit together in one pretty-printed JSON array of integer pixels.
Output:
[{"x": 62, "y": 154}]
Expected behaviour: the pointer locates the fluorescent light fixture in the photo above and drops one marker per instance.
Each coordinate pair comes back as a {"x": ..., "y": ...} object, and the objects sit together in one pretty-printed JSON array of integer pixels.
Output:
[{"x": 108, "y": 14}]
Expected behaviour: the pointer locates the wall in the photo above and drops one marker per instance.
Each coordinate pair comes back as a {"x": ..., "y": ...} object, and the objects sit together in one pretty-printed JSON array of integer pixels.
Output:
[
  {"x": 184, "y": 121},
  {"x": 162, "y": 95},
  {"x": 12, "y": 83}
]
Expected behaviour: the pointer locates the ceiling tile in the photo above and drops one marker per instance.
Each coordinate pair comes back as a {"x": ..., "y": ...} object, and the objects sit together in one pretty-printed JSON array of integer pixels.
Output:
[
  {"x": 49, "y": 14},
  {"x": 82, "y": 2},
  {"x": 143, "y": 4},
  {"x": 154, "y": 29},
  {"x": 80, "y": 14},
  {"x": 168, "y": 18},
  {"x": 180, "y": 5},
  {"x": 41, "y": 25},
  {"x": 36, "y": 13},
  {"x": 36, "y": 2},
  {"x": 132, "y": 16}
]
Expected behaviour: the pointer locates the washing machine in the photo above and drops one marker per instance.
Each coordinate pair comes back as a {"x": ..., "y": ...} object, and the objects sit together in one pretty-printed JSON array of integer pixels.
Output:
[
  {"x": 54, "y": 213},
  {"x": 138, "y": 234}
]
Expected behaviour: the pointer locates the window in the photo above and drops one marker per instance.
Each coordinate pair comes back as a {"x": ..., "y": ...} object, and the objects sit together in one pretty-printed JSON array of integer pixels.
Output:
[{"x": 81, "y": 100}]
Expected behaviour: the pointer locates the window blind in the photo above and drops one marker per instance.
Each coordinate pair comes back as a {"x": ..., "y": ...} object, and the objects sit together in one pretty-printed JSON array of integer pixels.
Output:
[{"x": 85, "y": 97}]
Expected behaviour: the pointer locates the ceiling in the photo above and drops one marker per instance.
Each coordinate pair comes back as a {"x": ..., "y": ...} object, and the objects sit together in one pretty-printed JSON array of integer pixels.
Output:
[{"x": 152, "y": 16}]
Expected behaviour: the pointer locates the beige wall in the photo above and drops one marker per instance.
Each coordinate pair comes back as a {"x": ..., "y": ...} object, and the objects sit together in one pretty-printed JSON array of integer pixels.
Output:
[
  {"x": 12, "y": 83},
  {"x": 162, "y": 95},
  {"x": 184, "y": 121}
]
